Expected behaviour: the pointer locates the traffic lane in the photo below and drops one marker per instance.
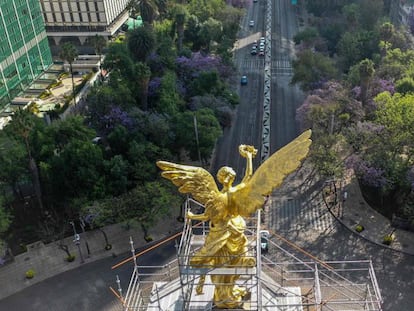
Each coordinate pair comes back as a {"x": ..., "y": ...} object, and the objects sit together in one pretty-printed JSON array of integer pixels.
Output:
[
  {"x": 246, "y": 127},
  {"x": 87, "y": 287},
  {"x": 247, "y": 118},
  {"x": 226, "y": 149},
  {"x": 285, "y": 100}
]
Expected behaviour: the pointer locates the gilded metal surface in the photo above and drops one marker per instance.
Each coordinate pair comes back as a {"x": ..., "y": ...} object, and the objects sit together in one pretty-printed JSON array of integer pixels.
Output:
[{"x": 226, "y": 243}]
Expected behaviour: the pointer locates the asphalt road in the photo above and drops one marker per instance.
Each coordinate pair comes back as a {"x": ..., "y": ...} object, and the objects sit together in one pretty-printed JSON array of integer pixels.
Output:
[
  {"x": 285, "y": 98},
  {"x": 85, "y": 288},
  {"x": 247, "y": 122}
]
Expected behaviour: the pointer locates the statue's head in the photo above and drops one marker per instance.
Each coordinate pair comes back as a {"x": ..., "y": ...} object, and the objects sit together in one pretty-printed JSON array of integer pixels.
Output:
[{"x": 226, "y": 176}]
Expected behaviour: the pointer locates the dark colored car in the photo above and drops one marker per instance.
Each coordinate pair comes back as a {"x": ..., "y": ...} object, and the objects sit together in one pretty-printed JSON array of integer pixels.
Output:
[
  {"x": 243, "y": 80},
  {"x": 253, "y": 51},
  {"x": 264, "y": 240}
]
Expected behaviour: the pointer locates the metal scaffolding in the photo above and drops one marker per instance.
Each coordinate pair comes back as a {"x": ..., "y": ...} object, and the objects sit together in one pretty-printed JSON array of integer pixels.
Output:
[{"x": 290, "y": 285}]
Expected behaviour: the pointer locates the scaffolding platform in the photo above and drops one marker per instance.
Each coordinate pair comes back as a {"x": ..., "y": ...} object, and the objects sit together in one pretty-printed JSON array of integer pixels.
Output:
[{"x": 288, "y": 285}]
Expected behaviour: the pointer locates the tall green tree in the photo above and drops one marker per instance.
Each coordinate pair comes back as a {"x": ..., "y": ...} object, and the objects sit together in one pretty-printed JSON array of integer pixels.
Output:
[
  {"x": 180, "y": 17},
  {"x": 148, "y": 10},
  {"x": 13, "y": 163},
  {"x": 395, "y": 64},
  {"x": 119, "y": 59},
  {"x": 366, "y": 73},
  {"x": 141, "y": 42},
  {"x": 143, "y": 74},
  {"x": 312, "y": 69},
  {"x": 21, "y": 128},
  {"x": 211, "y": 30},
  {"x": 356, "y": 46},
  {"x": 196, "y": 133},
  {"x": 170, "y": 100},
  {"x": 69, "y": 53}
]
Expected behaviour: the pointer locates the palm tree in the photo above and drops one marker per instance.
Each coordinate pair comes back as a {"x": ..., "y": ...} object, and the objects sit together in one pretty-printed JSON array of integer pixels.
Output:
[
  {"x": 180, "y": 17},
  {"x": 149, "y": 10},
  {"x": 98, "y": 42},
  {"x": 141, "y": 41},
  {"x": 143, "y": 74},
  {"x": 69, "y": 54},
  {"x": 366, "y": 72}
]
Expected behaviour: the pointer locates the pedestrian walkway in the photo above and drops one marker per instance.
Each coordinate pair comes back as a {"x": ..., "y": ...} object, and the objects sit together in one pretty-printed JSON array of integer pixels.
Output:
[
  {"x": 355, "y": 211},
  {"x": 49, "y": 260}
]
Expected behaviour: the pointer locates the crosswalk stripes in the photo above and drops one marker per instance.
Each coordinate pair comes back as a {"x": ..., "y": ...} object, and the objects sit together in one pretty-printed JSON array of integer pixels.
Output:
[
  {"x": 280, "y": 67},
  {"x": 281, "y": 63},
  {"x": 293, "y": 214},
  {"x": 256, "y": 63}
]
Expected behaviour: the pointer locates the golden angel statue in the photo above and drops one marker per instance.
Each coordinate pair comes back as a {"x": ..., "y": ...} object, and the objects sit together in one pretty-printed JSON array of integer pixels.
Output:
[{"x": 226, "y": 243}]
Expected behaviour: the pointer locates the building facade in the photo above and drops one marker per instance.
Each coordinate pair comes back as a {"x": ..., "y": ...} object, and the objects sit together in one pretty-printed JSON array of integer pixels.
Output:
[
  {"x": 81, "y": 19},
  {"x": 24, "y": 49}
]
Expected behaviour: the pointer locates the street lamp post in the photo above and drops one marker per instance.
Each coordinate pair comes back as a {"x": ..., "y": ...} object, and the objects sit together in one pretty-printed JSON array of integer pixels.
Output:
[
  {"x": 196, "y": 137},
  {"x": 76, "y": 240}
]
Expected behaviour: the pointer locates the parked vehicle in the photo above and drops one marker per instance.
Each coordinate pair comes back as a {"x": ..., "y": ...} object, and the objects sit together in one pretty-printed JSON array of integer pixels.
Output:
[
  {"x": 243, "y": 80},
  {"x": 253, "y": 51},
  {"x": 251, "y": 23},
  {"x": 264, "y": 240}
]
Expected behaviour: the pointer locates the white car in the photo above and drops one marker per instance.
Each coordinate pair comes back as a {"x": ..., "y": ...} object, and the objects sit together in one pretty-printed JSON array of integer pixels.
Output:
[
  {"x": 251, "y": 23},
  {"x": 262, "y": 40}
]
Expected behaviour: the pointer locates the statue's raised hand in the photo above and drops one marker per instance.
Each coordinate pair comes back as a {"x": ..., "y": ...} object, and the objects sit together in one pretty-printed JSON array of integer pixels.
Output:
[{"x": 246, "y": 150}]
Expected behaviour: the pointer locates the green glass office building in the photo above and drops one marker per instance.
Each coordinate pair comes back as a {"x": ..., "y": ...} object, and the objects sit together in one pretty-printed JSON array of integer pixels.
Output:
[{"x": 24, "y": 49}]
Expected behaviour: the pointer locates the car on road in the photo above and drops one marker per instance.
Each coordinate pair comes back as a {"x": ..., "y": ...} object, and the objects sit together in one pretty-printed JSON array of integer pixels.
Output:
[
  {"x": 251, "y": 23},
  {"x": 264, "y": 240},
  {"x": 243, "y": 80}
]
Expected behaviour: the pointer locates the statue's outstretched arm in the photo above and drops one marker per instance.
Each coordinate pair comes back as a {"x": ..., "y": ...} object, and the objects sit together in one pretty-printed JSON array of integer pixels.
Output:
[
  {"x": 200, "y": 217},
  {"x": 248, "y": 152}
]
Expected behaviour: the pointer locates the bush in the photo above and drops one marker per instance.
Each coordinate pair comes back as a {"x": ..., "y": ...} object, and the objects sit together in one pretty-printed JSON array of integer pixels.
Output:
[
  {"x": 23, "y": 247},
  {"x": 70, "y": 258},
  {"x": 359, "y": 228},
  {"x": 148, "y": 238},
  {"x": 30, "y": 274},
  {"x": 108, "y": 247},
  {"x": 387, "y": 240}
]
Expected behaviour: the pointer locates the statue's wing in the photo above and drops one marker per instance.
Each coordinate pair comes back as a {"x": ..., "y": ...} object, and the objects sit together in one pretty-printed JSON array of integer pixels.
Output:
[
  {"x": 271, "y": 174},
  {"x": 191, "y": 179}
]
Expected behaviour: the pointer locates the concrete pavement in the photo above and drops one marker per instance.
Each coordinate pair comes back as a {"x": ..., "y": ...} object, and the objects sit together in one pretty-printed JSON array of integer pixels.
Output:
[{"x": 354, "y": 210}]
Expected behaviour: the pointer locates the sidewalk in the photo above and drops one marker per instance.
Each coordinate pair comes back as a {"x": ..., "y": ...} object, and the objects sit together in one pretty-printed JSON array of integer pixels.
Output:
[
  {"x": 48, "y": 260},
  {"x": 355, "y": 211}
]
